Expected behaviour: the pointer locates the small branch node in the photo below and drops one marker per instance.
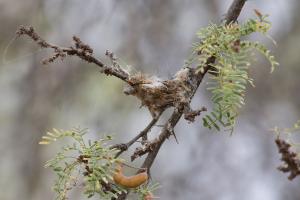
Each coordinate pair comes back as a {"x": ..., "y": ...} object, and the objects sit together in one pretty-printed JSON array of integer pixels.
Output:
[{"x": 192, "y": 114}]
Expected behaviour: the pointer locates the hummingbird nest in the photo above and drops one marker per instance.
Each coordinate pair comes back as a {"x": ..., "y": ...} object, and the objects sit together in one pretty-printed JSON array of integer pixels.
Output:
[{"x": 158, "y": 95}]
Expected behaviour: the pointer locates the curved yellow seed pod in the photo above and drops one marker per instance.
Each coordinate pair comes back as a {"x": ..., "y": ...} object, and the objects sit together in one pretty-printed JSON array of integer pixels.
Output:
[{"x": 129, "y": 181}]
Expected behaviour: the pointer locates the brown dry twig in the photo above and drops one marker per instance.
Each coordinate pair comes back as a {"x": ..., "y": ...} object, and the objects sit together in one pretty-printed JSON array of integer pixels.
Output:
[
  {"x": 192, "y": 114},
  {"x": 143, "y": 134},
  {"x": 80, "y": 49},
  {"x": 153, "y": 92},
  {"x": 290, "y": 159}
]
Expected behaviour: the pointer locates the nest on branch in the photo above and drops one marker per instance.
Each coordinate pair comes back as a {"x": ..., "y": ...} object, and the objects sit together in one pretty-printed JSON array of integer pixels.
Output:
[{"x": 157, "y": 94}]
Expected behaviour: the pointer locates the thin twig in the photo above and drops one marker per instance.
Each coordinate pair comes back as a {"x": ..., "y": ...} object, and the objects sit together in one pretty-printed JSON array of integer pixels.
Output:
[
  {"x": 164, "y": 134},
  {"x": 124, "y": 147},
  {"x": 80, "y": 49}
]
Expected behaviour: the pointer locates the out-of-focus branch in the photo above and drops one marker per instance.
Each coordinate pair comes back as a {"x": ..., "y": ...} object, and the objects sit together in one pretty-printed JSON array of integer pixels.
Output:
[
  {"x": 80, "y": 49},
  {"x": 291, "y": 162},
  {"x": 234, "y": 10}
]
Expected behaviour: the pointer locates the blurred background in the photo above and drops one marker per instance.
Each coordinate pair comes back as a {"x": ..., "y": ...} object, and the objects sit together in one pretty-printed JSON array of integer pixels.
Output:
[{"x": 154, "y": 37}]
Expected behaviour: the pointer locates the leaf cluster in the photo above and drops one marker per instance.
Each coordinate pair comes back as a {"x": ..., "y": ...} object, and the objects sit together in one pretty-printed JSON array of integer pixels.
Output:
[
  {"x": 90, "y": 165},
  {"x": 226, "y": 43}
]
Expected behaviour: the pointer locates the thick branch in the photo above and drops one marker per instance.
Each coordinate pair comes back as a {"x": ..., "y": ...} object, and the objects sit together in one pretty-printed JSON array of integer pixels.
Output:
[
  {"x": 231, "y": 16},
  {"x": 234, "y": 10},
  {"x": 165, "y": 133}
]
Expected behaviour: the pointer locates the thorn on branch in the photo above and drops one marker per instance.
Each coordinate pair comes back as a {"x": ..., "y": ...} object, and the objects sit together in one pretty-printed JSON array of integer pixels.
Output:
[{"x": 171, "y": 131}]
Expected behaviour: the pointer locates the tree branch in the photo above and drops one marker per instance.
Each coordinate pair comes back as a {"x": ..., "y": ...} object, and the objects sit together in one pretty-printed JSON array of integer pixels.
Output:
[
  {"x": 143, "y": 134},
  {"x": 83, "y": 51},
  {"x": 234, "y": 10},
  {"x": 156, "y": 94},
  {"x": 232, "y": 15}
]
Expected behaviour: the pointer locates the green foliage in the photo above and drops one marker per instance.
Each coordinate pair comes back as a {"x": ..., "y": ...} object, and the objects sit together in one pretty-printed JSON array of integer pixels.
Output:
[
  {"x": 230, "y": 77},
  {"x": 90, "y": 165},
  {"x": 148, "y": 189}
]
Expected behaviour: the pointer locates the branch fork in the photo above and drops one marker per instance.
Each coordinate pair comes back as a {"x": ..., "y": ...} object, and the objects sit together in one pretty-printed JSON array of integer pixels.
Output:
[{"x": 156, "y": 94}]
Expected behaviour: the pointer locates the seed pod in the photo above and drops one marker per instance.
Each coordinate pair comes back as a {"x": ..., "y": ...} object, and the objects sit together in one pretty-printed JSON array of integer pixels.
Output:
[{"x": 129, "y": 181}]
